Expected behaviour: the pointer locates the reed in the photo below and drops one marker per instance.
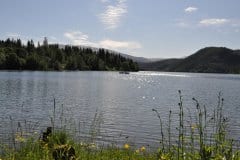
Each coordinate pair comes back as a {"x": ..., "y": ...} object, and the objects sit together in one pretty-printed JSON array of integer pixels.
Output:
[{"x": 199, "y": 136}]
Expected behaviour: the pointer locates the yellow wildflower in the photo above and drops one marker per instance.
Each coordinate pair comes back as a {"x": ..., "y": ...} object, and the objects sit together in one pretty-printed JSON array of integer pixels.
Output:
[
  {"x": 137, "y": 151},
  {"x": 19, "y": 138},
  {"x": 92, "y": 145},
  {"x": 45, "y": 146},
  {"x": 193, "y": 126},
  {"x": 164, "y": 157},
  {"x": 142, "y": 149},
  {"x": 126, "y": 146}
]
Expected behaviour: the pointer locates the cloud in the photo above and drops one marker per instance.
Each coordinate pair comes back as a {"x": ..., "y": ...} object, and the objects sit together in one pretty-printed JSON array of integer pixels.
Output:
[
  {"x": 214, "y": 21},
  {"x": 119, "y": 44},
  {"x": 111, "y": 17},
  {"x": 13, "y": 35},
  {"x": 78, "y": 38},
  {"x": 105, "y": 1},
  {"x": 190, "y": 9}
]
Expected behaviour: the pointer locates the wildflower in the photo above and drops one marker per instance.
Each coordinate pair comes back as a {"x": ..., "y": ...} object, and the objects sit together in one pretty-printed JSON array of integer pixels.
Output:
[
  {"x": 82, "y": 144},
  {"x": 126, "y": 146},
  {"x": 63, "y": 151},
  {"x": 184, "y": 155},
  {"x": 19, "y": 138},
  {"x": 193, "y": 126},
  {"x": 137, "y": 151},
  {"x": 92, "y": 145},
  {"x": 163, "y": 157},
  {"x": 45, "y": 146},
  {"x": 142, "y": 149}
]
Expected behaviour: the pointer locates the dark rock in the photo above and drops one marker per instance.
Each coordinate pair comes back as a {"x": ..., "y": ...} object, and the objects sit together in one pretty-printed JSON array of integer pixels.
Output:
[{"x": 46, "y": 134}]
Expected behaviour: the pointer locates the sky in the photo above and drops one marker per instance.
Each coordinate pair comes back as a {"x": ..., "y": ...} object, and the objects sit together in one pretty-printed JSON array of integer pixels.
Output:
[{"x": 142, "y": 28}]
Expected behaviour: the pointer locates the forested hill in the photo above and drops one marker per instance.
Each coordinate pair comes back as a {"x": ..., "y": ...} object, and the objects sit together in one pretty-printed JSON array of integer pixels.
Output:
[
  {"x": 206, "y": 60},
  {"x": 16, "y": 56}
]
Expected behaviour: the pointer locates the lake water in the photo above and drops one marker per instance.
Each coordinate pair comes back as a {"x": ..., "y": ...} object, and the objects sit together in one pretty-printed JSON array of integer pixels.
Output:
[{"x": 123, "y": 102}]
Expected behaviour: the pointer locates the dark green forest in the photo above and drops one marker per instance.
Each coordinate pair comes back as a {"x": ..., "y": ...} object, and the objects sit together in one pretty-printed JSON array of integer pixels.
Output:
[{"x": 14, "y": 55}]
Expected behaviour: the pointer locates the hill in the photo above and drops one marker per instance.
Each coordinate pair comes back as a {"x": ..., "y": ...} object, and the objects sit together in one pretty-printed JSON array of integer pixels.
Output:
[
  {"x": 134, "y": 58},
  {"x": 206, "y": 60},
  {"x": 14, "y": 55}
]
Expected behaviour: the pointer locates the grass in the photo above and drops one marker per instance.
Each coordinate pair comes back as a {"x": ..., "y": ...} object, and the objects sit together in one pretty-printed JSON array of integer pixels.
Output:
[
  {"x": 203, "y": 136},
  {"x": 36, "y": 149}
]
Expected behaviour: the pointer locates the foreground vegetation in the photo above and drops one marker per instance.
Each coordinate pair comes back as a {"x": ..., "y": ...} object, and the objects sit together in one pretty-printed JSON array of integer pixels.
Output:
[
  {"x": 14, "y": 55},
  {"x": 200, "y": 137}
]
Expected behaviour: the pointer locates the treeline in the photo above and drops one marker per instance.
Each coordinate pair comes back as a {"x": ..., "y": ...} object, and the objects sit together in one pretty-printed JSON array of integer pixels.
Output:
[{"x": 14, "y": 55}]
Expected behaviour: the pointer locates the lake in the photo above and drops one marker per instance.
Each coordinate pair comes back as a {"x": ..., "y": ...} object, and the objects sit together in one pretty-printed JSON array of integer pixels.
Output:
[{"x": 123, "y": 102}]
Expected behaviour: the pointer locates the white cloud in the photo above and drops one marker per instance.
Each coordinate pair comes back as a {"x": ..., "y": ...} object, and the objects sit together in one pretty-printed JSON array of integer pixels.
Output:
[
  {"x": 213, "y": 21},
  {"x": 190, "y": 9},
  {"x": 111, "y": 17},
  {"x": 78, "y": 38},
  {"x": 110, "y": 44},
  {"x": 13, "y": 35}
]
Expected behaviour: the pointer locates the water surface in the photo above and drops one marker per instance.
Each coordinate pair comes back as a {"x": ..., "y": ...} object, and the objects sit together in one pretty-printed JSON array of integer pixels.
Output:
[{"x": 124, "y": 102}]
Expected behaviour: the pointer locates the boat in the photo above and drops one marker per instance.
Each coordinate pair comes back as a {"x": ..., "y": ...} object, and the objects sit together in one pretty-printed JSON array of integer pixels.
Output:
[{"x": 123, "y": 72}]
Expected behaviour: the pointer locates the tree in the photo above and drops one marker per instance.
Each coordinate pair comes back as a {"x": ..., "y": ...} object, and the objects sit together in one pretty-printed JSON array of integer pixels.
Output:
[
  {"x": 45, "y": 42},
  {"x": 19, "y": 43},
  {"x": 21, "y": 52},
  {"x": 60, "y": 56},
  {"x": 71, "y": 64},
  {"x": 125, "y": 66},
  {"x": 101, "y": 65},
  {"x": 30, "y": 46},
  {"x": 57, "y": 66},
  {"x": 33, "y": 63},
  {"x": 2, "y": 60},
  {"x": 12, "y": 61},
  {"x": 93, "y": 62},
  {"x": 81, "y": 65},
  {"x": 15, "y": 55}
]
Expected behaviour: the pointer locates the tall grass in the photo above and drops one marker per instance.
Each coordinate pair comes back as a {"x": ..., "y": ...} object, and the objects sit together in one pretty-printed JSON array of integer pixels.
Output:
[
  {"x": 195, "y": 139},
  {"x": 201, "y": 135}
]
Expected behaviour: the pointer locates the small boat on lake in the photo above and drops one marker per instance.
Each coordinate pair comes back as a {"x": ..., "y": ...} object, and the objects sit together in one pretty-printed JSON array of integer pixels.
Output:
[{"x": 124, "y": 72}]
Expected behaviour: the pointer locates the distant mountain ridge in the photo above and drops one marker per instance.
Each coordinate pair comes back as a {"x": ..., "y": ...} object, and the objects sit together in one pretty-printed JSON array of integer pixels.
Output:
[
  {"x": 206, "y": 60},
  {"x": 139, "y": 59},
  {"x": 134, "y": 58}
]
